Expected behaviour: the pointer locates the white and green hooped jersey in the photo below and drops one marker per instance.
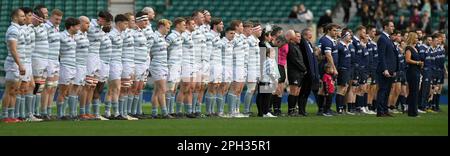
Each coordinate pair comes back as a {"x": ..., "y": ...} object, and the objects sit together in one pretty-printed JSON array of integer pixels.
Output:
[
  {"x": 29, "y": 39},
  {"x": 140, "y": 47},
  {"x": 199, "y": 44},
  {"x": 82, "y": 48},
  {"x": 175, "y": 48},
  {"x": 53, "y": 41},
  {"x": 40, "y": 52},
  {"x": 116, "y": 40},
  {"x": 68, "y": 50},
  {"x": 188, "y": 55},
  {"x": 253, "y": 62},
  {"x": 105, "y": 49},
  {"x": 240, "y": 49},
  {"x": 227, "y": 53},
  {"x": 95, "y": 36},
  {"x": 216, "y": 50},
  {"x": 158, "y": 51},
  {"x": 15, "y": 33},
  {"x": 128, "y": 47}
]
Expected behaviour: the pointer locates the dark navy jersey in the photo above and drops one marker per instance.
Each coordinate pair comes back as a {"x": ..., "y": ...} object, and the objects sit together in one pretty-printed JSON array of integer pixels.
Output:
[
  {"x": 402, "y": 62},
  {"x": 373, "y": 55},
  {"x": 440, "y": 58},
  {"x": 329, "y": 45},
  {"x": 345, "y": 57},
  {"x": 428, "y": 58},
  {"x": 422, "y": 50}
]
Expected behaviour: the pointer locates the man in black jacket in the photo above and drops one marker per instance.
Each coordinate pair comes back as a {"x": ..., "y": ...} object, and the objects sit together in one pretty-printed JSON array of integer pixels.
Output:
[
  {"x": 296, "y": 70},
  {"x": 387, "y": 68},
  {"x": 311, "y": 79}
]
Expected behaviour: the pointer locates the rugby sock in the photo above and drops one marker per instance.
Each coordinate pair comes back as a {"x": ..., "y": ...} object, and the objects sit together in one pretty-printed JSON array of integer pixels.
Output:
[
  {"x": 438, "y": 97},
  {"x": 96, "y": 107},
  {"x": 17, "y": 106},
  {"x": 121, "y": 103},
  {"x": 11, "y": 112},
  {"x": 125, "y": 104},
  {"x": 44, "y": 110},
  {"x": 29, "y": 104},
  {"x": 129, "y": 104},
  {"x": 213, "y": 103},
  {"x": 134, "y": 104},
  {"x": 402, "y": 100},
  {"x": 194, "y": 101},
  {"x": 49, "y": 110},
  {"x": 168, "y": 101},
  {"x": 198, "y": 108},
  {"x": 237, "y": 103},
  {"x": 173, "y": 103},
  {"x": 82, "y": 112},
  {"x": 187, "y": 108},
  {"x": 64, "y": 106},
  {"x": 59, "y": 109},
  {"x": 179, "y": 106},
  {"x": 154, "y": 110},
  {"x": 33, "y": 98},
  {"x": 71, "y": 105},
  {"x": 140, "y": 103},
  {"x": 359, "y": 101},
  {"x": 164, "y": 111},
  {"x": 232, "y": 100},
  {"x": 22, "y": 106},
  {"x": 4, "y": 112},
  {"x": 87, "y": 108},
  {"x": 115, "y": 105},
  {"x": 208, "y": 99},
  {"x": 220, "y": 102},
  {"x": 248, "y": 102},
  {"x": 365, "y": 99},
  {"x": 108, "y": 106},
  {"x": 37, "y": 104},
  {"x": 339, "y": 102}
]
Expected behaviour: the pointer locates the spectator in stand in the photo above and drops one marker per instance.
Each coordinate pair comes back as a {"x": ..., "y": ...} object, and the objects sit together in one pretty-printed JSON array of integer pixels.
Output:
[
  {"x": 303, "y": 14},
  {"x": 426, "y": 8},
  {"x": 442, "y": 23},
  {"x": 425, "y": 23},
  {"x": 324, "y": 20},
  {"x": 415, "y": 18},
  {"x": 293, "y": 15},
  {"x": 437, "y": 5},
  {"x": 401, "y": 24},
  {"x": 346, "y": 5},
  {"x": 366, "y": 16}
]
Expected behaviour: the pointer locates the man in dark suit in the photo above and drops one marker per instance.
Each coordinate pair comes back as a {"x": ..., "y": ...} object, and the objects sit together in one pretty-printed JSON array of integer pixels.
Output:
[
  {"x": 387, "y": 68},
  {"x": 296, "y": 70},
  {"x": 312, "y": 77}
]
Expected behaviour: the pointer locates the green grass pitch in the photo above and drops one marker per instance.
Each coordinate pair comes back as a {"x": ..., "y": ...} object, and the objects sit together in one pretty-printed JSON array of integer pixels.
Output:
[{"x": 433, "y": 124}]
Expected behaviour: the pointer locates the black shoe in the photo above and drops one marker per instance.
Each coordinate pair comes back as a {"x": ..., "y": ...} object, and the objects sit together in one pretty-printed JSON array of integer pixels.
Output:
[
  {"x": 168, "y": 116},
  {"x": 303, "y": 114},
  {"x": 191, "y": 115},
  {"x": 319, "y": 113},
  {"x": 65, "y": 118},
  {"x": 156, "y": 117},
  {"x": 120, "y": 117},
  {"x": 292, "y": 114},
  {"x": 38, "y": 116},
  {"x": 46, "y": 118}
]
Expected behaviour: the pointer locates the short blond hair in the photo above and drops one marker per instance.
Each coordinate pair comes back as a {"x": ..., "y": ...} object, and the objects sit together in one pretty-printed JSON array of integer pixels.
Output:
[
  {"x": 57, "y": 12},
  {"x": 164, "y": 22}
]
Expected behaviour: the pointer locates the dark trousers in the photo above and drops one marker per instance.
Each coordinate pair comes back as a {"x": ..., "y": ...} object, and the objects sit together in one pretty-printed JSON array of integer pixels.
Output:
[
  {"x": 262, "y": 100},
  {"x": 385, "y": 85},
  {"x": 304, "y": 94},
  {"x": 424, "y": 89},
  {"x": 413, "y": 78}
]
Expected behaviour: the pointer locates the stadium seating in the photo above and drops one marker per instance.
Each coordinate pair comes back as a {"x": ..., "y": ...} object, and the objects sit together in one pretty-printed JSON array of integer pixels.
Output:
[
  {"x": 72, "y": 8},
  {"x": 258, "y": 10}
]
